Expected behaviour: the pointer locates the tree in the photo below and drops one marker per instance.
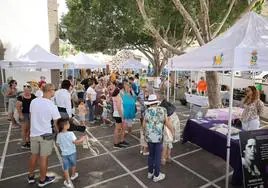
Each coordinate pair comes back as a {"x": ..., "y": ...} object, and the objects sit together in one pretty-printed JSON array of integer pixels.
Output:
[
  {"x": 113, "y": 25},
  {"x": 206, "y": 19}
]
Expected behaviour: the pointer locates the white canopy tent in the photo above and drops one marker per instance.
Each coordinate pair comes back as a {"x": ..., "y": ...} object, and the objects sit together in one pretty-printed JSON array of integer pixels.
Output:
[
  {"x": 133, "y": 64},
  {"x": 36, "y": 58},
  {"x": 243, "y": 47},
  {"x": 83, "y": 61}
]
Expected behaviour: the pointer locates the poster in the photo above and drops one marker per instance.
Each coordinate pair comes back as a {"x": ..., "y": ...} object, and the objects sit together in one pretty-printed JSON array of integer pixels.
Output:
[{"x": 254, "y": 156}]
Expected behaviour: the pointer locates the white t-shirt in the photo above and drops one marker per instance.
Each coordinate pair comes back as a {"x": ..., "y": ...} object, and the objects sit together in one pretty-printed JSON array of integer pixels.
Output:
[
  {"x": 92, "y": 93},
  {"x": 63, "y": 100},
  {"x": 65, "y": 141},
  {"x": 42, "y": 112},
  {"x": 39, "y": 93}
]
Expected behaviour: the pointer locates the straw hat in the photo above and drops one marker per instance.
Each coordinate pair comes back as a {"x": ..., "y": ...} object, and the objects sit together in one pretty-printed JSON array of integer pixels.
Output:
[{"x": 152, "y": 99}]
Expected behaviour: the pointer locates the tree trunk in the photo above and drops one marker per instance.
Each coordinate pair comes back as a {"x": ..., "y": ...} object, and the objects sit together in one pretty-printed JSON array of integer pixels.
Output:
[{"x": 213, "y": 85}]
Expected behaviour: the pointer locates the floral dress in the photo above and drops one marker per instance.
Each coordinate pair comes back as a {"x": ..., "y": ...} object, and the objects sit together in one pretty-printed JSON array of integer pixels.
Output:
[{"x": 154, "y": 121}]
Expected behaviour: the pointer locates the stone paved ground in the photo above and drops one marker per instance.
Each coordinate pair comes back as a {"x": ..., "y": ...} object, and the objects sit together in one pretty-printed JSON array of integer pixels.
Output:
[{"x": 191, "y": 166}]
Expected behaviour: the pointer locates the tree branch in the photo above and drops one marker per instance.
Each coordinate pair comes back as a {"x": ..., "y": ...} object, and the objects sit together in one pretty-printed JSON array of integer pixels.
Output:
[
  {"x": 224, "y": 19},
  {"x": 189, "y": 20},
  {"x": 152, "y": 29},
  {"x": 205, "y": 20}
]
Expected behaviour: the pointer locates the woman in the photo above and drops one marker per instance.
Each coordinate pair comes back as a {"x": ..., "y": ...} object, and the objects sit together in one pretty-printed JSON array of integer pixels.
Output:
[
  {"x": 23, "y": 107},
  {"x": 100, "y": 90},
  {"x": 253, "y": 108},
  {"x": 129, "y": 106},
  {"x": 63, "y": 99},
  {"x": 11, "y": 95},
  {"x": 91, "y": 98},
  {"x": 154, "y": 121},
  {"x": 118, "y": 117}
]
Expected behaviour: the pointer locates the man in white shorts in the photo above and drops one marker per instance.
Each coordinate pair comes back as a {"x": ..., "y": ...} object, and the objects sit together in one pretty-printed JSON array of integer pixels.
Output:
[{"x": 42, "y": 112}]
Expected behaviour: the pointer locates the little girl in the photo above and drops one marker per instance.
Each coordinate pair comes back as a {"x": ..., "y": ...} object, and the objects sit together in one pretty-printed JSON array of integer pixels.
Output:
[
  {"x": 82, "y": 111},
  {"x": 105, "y": 109},
  {"x": 66, "y": 141}
]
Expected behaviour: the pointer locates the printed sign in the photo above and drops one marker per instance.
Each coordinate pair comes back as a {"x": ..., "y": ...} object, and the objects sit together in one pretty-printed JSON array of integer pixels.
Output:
[{"x": 254, "y": 156}]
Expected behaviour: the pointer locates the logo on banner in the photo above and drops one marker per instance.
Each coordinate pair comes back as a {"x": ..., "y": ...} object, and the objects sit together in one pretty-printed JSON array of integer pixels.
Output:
[
  {"x": 254, "y": 58},
  {"x": 218, "y": 59}
]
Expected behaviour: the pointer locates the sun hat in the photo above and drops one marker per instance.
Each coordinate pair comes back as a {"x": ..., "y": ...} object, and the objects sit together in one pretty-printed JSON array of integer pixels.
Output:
[{"x": 152, "y": 99}]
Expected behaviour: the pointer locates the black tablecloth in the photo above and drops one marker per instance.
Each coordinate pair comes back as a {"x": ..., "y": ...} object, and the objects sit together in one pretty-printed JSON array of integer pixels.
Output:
[{"x": 215, "y": 143}]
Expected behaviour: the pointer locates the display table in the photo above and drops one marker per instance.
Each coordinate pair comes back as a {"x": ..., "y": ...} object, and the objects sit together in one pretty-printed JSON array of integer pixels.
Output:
[
  {"x": 223, "y": 113},
  {"x": 215, "y": 143},
  {"x": 196, "y": 99}
]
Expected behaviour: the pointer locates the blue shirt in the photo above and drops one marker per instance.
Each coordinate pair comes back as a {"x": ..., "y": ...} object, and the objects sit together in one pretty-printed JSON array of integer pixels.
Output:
[
  {"x": 65, "y": 141},
  {"x": 129, "y": 106}
]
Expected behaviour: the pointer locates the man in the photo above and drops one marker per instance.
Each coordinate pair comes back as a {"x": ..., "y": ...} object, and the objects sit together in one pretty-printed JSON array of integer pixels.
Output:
[
  {"x": 42, "y": 112},
  {"x": 134, "y": 86},
  {"x": 249, "y": 158}
]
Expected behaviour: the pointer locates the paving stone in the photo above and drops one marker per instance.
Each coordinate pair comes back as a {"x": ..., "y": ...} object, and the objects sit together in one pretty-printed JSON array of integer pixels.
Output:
[
  {"x": 204, "y": 163},
  {"x": 124, "y": 182},
  {"x": 176, "y": 176}
]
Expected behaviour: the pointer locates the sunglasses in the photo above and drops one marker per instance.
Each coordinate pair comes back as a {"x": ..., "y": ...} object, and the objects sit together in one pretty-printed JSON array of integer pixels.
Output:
[
  {"x": 15, "y": 83},
  {"x": 26, "y": 86}
]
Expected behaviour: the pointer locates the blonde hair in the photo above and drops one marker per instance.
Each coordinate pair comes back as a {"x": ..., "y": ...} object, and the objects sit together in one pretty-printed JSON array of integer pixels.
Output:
[{"x": 48, "y": 87}]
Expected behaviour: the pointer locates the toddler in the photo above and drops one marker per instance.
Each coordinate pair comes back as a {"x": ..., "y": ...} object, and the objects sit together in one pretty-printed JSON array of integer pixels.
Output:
[
  {"x": 66, "y": 140},
  {"x": 82, "y": 111},
  {"x": 105, "y": 108}
]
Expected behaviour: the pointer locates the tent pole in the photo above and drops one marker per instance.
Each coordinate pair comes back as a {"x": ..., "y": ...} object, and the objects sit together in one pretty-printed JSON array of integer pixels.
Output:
[
  {"x": 191, "y": 83},
  {"x": 229, "y": 130},
  {"x": 168, "y": 86},
  {"x": 254, "y": 77},
  {"x": 175, "y": 80}
]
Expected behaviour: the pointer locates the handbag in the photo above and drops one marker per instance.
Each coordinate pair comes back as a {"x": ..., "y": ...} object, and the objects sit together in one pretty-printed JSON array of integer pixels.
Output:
[{"x": 168, "y": 135}]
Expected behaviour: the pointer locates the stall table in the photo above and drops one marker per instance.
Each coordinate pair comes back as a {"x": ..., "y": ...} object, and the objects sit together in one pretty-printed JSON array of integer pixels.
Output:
[{"x": 215, "y": 143}]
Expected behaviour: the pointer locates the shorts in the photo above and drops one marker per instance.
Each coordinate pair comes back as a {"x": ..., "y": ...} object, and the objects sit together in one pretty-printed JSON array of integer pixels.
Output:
[
  {"x": 129, "y": 122},
  {"x": 26, "y": 117},
  {"x": 82, "y": 117},
  {"x": 104, "y": 115},
  {"x": 118, "y": 119},
  {"x": 169, "y": 145},
  {"x": 12, "y": 105},
  {"x": 41, "y": 147},
  {"x": 69, "y": 161}
]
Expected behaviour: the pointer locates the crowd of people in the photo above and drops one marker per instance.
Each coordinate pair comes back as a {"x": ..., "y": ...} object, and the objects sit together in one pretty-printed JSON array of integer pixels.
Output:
[
  {"x": 115, "y": 101},
  {"x": 51, "y": 115}
]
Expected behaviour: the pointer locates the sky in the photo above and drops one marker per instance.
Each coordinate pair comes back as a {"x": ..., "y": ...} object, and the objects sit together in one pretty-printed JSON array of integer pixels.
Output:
[{"x": 62, "y": 9}]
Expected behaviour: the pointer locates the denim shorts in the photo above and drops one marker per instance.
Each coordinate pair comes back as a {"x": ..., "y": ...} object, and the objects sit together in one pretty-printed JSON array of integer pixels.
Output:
[{"x": 69, "y": 161}]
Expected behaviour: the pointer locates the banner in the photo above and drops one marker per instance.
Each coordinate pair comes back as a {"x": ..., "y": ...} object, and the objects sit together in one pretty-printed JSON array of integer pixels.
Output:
[{"x": 254, "y": 156}]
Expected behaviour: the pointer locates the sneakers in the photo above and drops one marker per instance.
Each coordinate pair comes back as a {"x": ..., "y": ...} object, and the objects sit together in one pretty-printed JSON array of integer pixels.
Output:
[
  {"x": 145, "y": 153},
  {"x": 160, "y": 177},
  {"x": 31, "y": 179},
  {"x": 73, "y": 177},
  {"x": 26, "y": 146},
  {"x": 68, "y": 184},
  {"x": 118, "y": 146},
  {"x": 48, "y": 180},
  {"x": 124, "y": 143},
  {"x": 150, "y": 175}
]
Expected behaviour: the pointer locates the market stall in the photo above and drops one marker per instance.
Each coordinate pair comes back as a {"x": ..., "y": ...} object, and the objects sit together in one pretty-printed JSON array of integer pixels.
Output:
[
  {"x": 133, "y": 64},
  {"x": 243, "y": 47},
  {"x": 82, "y": 61},
  {"x": 36, "y": 59}
]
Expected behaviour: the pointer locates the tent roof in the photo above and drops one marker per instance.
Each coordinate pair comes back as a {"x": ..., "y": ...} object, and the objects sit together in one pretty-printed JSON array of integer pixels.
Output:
[
  {"x": 132, "y": 64},
  {"x": 37, "y": 57},
  {"x": 83, "y": 61},
  {"x": 243, "y": 47}
]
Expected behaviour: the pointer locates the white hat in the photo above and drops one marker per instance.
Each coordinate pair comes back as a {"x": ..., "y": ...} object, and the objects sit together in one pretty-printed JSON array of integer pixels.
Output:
[{"x": 152, "y": 99}]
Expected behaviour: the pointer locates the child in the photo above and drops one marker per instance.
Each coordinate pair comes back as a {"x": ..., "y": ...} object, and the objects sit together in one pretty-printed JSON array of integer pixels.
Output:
[
  {"x": 82, "y": 111},
  {"x": 105, "y": 109},
  {"x": 66, "y": 141}
]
